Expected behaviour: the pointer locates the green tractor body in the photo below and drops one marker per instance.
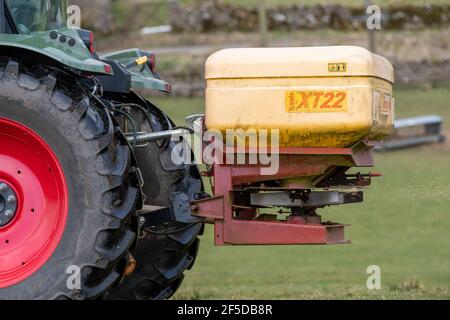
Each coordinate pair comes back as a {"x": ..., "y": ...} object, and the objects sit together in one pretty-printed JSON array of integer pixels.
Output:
[{"x": 29, "y": 29}]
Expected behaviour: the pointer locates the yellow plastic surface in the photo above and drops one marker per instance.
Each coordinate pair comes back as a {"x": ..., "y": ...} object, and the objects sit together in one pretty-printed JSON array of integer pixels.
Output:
[{"x": 316, "y": 97}]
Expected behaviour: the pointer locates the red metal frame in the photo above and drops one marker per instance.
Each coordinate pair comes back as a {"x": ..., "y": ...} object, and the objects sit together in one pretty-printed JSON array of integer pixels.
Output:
[{"x": 294, "y": 162}]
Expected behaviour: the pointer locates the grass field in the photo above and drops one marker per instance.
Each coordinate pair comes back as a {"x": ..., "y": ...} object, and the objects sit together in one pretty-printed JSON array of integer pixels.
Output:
[{"x": 403, "y": 226}]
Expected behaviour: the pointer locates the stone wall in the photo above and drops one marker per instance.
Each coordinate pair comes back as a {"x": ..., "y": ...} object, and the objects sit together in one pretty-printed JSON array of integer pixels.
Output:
[
  {"x": 207, "y": 16},
  {"x": 216, "y": 15}
]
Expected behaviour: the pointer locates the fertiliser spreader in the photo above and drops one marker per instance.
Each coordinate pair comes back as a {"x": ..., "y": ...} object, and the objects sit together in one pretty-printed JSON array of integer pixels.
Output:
[{"x": 327, "y": 108}]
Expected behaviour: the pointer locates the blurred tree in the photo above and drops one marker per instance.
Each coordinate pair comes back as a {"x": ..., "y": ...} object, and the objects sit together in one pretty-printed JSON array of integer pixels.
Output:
[{"x": 97, "y": 15}]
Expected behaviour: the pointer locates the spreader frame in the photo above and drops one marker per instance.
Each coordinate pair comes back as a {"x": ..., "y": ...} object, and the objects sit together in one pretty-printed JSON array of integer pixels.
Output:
[{"x": 296, "y": 230}]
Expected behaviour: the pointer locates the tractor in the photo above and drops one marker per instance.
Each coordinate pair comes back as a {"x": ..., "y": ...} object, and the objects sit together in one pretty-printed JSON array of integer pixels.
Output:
[{"x": 92, "y": 203}]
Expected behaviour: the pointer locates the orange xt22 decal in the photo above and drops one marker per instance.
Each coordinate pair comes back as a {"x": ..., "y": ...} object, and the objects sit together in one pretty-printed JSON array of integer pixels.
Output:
[{"x": 316, "y": 101}]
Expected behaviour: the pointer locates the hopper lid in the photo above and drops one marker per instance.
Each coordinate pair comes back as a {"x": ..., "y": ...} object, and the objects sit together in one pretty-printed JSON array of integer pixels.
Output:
[{"x": 336, "y": 61}]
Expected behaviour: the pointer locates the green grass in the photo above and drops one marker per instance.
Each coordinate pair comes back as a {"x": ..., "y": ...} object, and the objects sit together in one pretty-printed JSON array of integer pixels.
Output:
[{"x": 403, "y": 226}]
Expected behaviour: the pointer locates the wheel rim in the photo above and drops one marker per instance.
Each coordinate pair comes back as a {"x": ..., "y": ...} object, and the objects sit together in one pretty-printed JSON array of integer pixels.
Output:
[{"x": 33, "y": 175}]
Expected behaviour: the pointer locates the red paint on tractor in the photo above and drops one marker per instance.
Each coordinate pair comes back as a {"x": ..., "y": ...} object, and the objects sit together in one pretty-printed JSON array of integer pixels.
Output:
[{"x": 32, "y": 170}]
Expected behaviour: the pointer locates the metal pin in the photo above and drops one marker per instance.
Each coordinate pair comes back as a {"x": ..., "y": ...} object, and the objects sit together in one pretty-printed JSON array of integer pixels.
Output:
[
  {"x": 3, "y": 187},
  {"x": 8, "y": 213}
]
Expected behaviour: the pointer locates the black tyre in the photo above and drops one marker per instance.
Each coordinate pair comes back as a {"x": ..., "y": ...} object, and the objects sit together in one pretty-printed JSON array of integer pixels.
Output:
[
  {"x": 162, "y": 257},
  {"x": 95, "y": 162}
]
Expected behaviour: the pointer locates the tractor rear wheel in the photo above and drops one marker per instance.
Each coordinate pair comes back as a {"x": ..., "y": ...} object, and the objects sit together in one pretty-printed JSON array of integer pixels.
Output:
[
  {"x": 162, "y": 257},
  {"x": 66, "y": 193}
]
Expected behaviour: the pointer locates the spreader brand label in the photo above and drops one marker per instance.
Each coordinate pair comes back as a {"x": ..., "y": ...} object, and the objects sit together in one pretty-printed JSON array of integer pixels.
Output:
[{"x": 316, "y": 101}]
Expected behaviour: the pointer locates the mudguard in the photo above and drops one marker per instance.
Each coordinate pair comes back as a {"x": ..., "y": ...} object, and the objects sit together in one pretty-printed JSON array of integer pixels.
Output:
[
  {"x": 142, "y": 76},
  {"x": 62, "y": 45}
]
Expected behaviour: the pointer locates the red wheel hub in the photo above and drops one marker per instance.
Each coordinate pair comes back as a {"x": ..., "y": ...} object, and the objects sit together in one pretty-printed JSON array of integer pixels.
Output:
[{"x": 33, "y": 202}]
